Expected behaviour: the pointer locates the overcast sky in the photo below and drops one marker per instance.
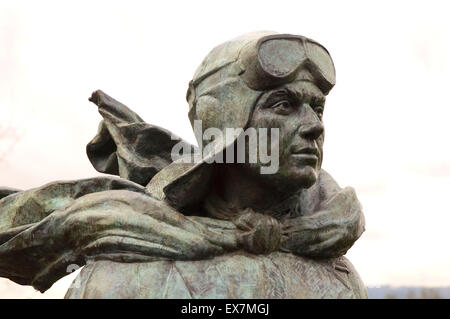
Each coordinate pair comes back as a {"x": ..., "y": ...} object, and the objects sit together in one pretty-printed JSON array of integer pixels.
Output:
[{"x": 386, "y": 119}]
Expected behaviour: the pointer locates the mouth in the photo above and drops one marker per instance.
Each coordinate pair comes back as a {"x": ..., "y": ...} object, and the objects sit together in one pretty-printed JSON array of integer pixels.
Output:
[{"x": 307, "y": 155}]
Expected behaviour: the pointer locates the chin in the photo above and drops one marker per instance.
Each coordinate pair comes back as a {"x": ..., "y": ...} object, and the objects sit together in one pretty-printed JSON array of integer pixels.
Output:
[
  {"x": 293, "y": 178},
  {"x": 289, "y": 177},
  {"x": 303, "y": 177}
]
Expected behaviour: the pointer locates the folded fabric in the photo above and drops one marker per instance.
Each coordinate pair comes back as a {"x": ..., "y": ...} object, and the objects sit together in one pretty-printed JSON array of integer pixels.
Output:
[
  {"x": 127, "y": 146},
  {"x": 43, "y": 231},
  {"x": 113, "y": 219}
]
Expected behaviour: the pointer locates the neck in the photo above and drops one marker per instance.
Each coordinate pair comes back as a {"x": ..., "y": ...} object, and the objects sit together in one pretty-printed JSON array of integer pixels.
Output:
[{"x": 243, "y": 190}]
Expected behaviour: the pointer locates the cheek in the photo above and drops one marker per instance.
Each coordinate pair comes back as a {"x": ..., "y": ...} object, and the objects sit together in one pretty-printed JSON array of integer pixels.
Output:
[
  {"x": 320, "y": 141},
  {"x": 287, "y": 127},
  {"x": 275, "y": 123},
  {"x": 288, "y": 134}
]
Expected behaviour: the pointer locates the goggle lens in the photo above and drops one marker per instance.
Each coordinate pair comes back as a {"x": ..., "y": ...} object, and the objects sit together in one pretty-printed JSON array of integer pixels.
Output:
[{"x": 280, "y": 59}]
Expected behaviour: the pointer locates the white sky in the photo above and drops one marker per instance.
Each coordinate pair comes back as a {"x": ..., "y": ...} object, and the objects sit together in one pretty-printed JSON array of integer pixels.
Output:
[{"x": 386, "y": 119}]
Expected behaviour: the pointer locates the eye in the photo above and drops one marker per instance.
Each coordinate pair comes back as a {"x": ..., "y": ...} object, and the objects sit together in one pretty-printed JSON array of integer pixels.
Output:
[
  {"x": 282, "y": 107},
  {"x": 317, "y": 103},
  {"x": 319, "y": 111}
]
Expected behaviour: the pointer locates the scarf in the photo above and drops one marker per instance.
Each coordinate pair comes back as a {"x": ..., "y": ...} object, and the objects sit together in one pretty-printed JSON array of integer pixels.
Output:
[{"x": 46, "y": 230}]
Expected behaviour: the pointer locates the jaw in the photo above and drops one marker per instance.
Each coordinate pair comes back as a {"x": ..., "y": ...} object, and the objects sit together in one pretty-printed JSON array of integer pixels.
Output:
[
  {"x": 295, "y": 173},
  {"x": 302, "y": 177},
  {"x": 288, "y": 181}
]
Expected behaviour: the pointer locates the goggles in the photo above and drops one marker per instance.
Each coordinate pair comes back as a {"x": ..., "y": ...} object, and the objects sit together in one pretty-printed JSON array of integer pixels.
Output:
[{"x": 278, "y": 59}]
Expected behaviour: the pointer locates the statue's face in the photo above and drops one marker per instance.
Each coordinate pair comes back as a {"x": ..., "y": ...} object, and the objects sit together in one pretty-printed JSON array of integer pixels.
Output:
[{"x": 296, "y": 110}]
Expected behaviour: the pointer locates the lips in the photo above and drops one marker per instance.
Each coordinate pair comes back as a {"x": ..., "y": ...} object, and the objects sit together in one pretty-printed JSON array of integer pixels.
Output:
[
  {"x": 306, "y": 151},
  {"x": 306, "y": 155}
]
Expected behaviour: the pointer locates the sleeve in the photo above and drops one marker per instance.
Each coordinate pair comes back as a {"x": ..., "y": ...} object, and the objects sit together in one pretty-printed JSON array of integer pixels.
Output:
[{"x": 46, "y": 230}]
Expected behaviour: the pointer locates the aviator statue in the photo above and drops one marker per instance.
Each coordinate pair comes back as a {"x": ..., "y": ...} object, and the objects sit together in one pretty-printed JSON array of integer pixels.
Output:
[{"x": 203, "y": 224}]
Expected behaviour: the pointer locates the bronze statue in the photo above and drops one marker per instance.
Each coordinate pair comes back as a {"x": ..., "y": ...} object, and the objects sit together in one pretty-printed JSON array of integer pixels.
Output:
[{"x": 227, "y": 220}]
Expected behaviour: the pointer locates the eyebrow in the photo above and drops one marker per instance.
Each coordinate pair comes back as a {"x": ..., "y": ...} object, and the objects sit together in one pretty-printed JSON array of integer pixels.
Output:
[
  {"x": 315, "y": 98},
  {"x": 283, "y": 93},
  {"x": 295, "y": 96}
]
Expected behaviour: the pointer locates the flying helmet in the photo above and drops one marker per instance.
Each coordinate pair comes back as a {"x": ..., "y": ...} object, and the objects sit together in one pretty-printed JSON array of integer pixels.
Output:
[{"x": 224, "y": 91}]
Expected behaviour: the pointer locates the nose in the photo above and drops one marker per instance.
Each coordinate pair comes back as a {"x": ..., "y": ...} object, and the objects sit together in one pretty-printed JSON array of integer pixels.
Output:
[{"x": 311, "y": 127}]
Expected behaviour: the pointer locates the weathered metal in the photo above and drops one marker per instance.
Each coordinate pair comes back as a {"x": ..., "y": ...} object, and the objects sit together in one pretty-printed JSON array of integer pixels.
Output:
[{"x": 171, "y": 228}]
